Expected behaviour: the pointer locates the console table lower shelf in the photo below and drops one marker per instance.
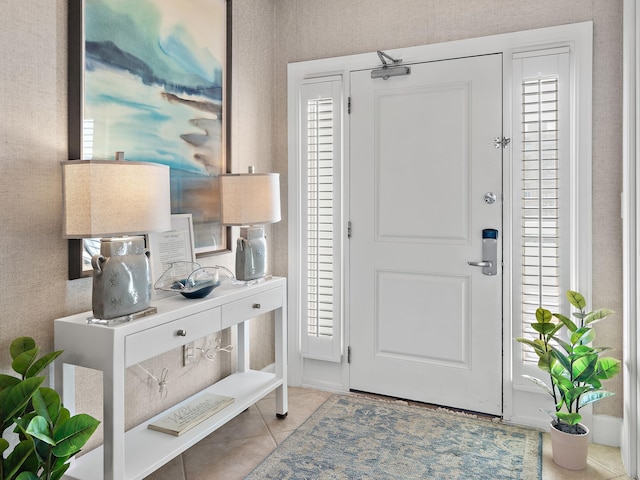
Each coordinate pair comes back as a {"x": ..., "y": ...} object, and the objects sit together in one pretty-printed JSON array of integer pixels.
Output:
[{"x": 146, "y": 450}]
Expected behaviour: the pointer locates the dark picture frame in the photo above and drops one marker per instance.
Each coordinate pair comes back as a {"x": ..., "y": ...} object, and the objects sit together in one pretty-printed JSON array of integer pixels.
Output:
[{"x": 201, "y": 137}]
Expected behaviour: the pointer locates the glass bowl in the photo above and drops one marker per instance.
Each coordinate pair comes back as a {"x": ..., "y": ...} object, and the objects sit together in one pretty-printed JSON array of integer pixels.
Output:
[{"x": 192, "y": 280}]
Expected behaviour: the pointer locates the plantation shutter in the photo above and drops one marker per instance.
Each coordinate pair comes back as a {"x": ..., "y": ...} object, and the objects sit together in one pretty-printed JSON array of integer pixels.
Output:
[
  {"x": 542, "y": 174},
  {"x": 321, "y": 161}
]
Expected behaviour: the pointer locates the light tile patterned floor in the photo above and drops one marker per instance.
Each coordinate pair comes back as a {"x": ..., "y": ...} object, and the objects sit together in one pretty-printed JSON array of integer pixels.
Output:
[{"x": 237, "y": 448}]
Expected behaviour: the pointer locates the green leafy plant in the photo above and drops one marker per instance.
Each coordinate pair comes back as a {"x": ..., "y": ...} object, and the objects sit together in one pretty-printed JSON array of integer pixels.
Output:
[
  {"x": 48, "y": 436},
  {"x": 575, "y": 367}
]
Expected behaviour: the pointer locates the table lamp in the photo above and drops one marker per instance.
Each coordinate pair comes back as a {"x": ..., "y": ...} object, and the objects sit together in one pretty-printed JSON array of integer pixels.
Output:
[
  {"x": 250, "y": 200},
  {"x": 118, "y": 201}
]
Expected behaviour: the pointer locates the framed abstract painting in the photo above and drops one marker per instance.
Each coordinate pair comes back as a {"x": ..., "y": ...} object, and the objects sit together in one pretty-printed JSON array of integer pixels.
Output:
[{"x": 151, "y": 78}]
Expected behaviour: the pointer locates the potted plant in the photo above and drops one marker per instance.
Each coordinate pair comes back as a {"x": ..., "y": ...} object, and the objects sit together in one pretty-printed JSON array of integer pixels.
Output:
[
  {"x": 48, "y": 436},
  {"x": 576, "y": 370}
]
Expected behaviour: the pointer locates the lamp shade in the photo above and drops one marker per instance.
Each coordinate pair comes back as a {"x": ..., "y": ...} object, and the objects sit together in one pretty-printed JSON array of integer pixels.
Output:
[
  {"x": 104, "y": 198},
  {"x": 250, "y": 198}
]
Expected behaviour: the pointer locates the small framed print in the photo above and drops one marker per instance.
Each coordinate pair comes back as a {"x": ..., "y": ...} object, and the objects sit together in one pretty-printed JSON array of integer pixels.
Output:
[{"x": 175, "y": 245}]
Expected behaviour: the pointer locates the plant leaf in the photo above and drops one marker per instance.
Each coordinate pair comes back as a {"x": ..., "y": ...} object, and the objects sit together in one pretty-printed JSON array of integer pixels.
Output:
[
  {"x": 583, "y": 335},
  {"x": 570, "y": 418},
  {"x": 17, "y": 458},
  {"x": 46, "y": 402},
  {"x": 7, "y": 381},
  {"x": 594, "y": 396},
  {"x": 63, "y": 416},
  {"x": 537, "y": 347},
  {"x": 543, "y": 315},
  {"x": 573, "y": 394},
  {"x": 59, "y": 472},
  {"x": 42, "y": 363},
  {"x": 39, "y": 428},
  {"x": 545, "y": 329},
  {"x": 584, "y": 368},
  {"x": 608, "y": 367},
  {"x": 22, "y": 362},
  {"x": 71, "y": 435},
  {"x": 27, "y": 476},
  {"x": 576, "y": 299},
  {"x": 3, "y": 446},
  {"x": 540, "y": 383},
  {"x": 597, "y": 315},
  {"x": 21, "y": 345},
  {"x": 566, "y": 321},
  {"x": 17, "y": 398},
  {"x": 562, "y": 359}
]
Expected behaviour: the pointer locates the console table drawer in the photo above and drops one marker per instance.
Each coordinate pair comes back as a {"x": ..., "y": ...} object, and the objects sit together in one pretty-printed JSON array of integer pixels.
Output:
[
  {"x": 241, "y": 310},
  {"x": 162, "y": 338}
]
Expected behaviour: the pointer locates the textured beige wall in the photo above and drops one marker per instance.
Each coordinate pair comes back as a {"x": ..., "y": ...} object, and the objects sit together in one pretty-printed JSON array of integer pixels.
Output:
[
  {"x": 34, "y": 289},
  {"x": 309, "y": 29},
  {"x": 267, "y": 34}
]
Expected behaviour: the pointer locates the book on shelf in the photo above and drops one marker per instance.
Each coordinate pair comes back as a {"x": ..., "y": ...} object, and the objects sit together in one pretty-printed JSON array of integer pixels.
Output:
[{"x": 188, "y": 416}]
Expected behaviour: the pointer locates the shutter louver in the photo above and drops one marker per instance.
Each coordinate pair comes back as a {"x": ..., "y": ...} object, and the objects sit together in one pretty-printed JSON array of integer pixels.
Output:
[
  {"x": 320, "y": 221},
  {"x": 540, "y": 203}
]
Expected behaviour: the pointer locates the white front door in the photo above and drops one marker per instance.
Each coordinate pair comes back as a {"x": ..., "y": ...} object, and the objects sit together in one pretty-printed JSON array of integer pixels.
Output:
[{"x": 424, "y": 324}]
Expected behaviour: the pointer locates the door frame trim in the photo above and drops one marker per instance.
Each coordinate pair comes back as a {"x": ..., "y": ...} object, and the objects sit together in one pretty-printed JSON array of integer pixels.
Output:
[{"x": 516, "y": 407}]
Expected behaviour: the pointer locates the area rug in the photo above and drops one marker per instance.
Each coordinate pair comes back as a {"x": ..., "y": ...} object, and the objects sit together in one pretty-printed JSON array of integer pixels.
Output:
[{"x": 355, "y": 437}]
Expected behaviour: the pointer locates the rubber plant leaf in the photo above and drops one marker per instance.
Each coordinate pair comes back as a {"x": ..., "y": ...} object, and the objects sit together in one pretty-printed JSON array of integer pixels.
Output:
[
  {"x": 39, "y": 428},
  {"x": 597, "y": 315},
  {"x": 22, "y": 362},
  {"x": 573, "y": 394},
  {"x": 566, "y": 321},
  {"x": 8, "y": 381},
  {"x": 583, "y": 335},
  {"x": 540, "y": 383},
  {"x": 576, "y": 299},
  {"x": 21, "y": 345},
  {"x": 42, "y": 363},
  {"x": 537, "y": 345},
  {"x": 608, "y": 367},
  {"x": 17, "y": 399},
  {"x": 584, "y": 367},
  {"x": 543, "y": 315},
  {"x": 63, "y": 416},
  {"x": 71, "y": 436},
  {"x": 570, "y": 418},
  {"x": 59, "y": 472},
  {"x": 544, "y": 328},
  {"x": 46, "y": 402},
  {"x": 16, "y": 459},
  {"x": 3, "y": 446},
  {"x": 592, "y": 397},
  {"x": 27, "y": 476}
]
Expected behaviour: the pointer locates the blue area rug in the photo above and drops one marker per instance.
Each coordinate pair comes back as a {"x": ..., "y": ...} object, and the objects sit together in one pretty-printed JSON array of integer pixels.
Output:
[{"x": 353, "y": 437}]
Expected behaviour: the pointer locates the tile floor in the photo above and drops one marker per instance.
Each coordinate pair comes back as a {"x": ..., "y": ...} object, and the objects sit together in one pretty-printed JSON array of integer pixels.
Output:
[{"x": 236, "y": 449}]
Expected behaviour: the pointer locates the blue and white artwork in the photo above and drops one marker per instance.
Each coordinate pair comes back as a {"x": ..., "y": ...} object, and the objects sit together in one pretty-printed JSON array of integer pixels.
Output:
[{"x": 154, "y": 89}]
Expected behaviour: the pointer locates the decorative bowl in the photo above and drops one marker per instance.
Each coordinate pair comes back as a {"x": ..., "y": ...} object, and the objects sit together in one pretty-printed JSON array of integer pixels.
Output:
[{"x": 192, "y": 280}]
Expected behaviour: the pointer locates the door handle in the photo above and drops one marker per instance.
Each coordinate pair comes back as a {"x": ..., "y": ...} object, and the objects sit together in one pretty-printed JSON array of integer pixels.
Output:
[
  {"x": 489, "y": 263},
  {"x": 481, "y": 264}
]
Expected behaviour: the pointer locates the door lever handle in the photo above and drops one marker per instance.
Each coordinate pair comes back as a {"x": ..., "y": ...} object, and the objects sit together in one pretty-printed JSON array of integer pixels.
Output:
[{"x": 481, "y": 264}]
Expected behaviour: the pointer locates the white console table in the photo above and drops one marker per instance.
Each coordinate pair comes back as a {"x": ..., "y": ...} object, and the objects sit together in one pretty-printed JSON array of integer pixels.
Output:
[{"x": 140, "y": 451}]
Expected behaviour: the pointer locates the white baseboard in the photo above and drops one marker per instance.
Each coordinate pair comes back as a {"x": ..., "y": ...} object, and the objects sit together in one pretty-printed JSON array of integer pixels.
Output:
[{"x": 607, "y": 430}]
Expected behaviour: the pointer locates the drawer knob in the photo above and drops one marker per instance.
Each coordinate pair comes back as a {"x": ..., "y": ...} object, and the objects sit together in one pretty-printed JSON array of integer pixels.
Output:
[
  {"x": 182, "y": 333},
  {"x": 256, "y": 305}
]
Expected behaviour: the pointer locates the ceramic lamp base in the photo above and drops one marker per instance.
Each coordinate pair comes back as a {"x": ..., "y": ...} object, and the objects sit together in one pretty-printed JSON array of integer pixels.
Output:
[
  {"x": 121, "y": 278},
  {"x": 251, "y": 254}
]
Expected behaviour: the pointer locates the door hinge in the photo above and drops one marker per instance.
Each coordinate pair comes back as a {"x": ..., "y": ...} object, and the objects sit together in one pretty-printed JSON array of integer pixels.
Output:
[
  {"x": 349, "y": 229},
  {"x": 349, "y": 354},
  {"x": 501, "y": 142},
  {"x": 349, "y": 106}
]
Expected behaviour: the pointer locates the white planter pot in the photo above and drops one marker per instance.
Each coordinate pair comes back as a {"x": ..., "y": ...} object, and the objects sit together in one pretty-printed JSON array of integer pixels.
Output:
[{"x": 569, "y": 451}]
